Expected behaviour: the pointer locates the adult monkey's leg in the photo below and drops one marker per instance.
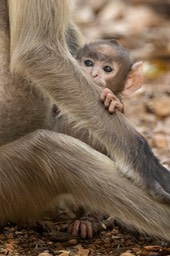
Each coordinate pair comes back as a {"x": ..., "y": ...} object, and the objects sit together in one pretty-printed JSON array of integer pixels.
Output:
[
  {"x": 39, "y": 50},
  {"x": 45, "y": 167}
]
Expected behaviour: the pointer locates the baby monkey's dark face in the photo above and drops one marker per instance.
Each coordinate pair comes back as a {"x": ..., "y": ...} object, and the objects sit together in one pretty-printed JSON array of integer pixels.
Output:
[
  {"x": 99, "y": 62},
  {"x": 108, "y": 64}
]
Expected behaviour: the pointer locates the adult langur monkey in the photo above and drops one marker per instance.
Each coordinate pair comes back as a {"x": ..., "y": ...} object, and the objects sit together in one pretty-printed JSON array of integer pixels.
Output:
[{"x": 37, "y": 164}]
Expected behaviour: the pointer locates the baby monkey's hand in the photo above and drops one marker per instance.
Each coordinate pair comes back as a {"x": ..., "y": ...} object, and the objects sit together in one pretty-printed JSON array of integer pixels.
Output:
[{"x": 111, "y": 101}]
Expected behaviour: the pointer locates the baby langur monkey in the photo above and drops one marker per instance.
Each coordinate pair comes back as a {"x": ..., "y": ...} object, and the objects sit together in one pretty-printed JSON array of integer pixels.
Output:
[{"x": 111, "y": 68}]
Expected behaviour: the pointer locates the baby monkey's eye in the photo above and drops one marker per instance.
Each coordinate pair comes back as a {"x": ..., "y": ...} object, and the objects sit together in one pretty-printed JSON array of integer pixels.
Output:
[
  {"x": 108, "y": 69},
  {"x": 88, "y": 63}
]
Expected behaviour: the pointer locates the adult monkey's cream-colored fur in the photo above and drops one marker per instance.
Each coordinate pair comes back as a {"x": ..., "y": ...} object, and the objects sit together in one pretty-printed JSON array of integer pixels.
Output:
[{"x": 37, "y": 164}]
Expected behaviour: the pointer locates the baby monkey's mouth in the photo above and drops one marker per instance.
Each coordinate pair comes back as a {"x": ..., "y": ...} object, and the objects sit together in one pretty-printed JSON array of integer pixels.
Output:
[{"x": 100, "y": 82}]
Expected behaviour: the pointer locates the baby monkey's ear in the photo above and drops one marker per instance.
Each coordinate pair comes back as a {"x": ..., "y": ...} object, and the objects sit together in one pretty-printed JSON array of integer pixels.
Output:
[{"x": 134, "y": 79}]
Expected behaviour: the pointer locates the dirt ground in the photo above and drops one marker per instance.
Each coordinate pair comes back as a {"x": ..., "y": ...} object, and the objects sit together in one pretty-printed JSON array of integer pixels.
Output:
[
  {"x": 148, "y": 109},
  {"x": 113, "y": 241}
]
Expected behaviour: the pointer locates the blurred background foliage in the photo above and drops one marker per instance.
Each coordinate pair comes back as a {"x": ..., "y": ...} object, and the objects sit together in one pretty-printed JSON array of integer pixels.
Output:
[{"x": 143, "y": 26}]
